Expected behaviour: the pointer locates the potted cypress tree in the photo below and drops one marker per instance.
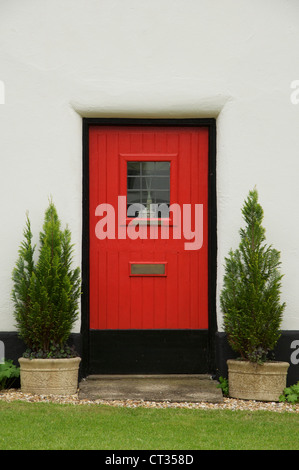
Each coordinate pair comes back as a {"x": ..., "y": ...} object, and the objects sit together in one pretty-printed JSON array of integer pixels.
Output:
[
  {"x": 252, "y": 311},
  {"x": 45, "y": 296}
]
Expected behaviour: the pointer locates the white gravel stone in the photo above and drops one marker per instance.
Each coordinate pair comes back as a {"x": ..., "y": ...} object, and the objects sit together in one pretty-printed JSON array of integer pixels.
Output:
[{"x": 228, "y": 403}]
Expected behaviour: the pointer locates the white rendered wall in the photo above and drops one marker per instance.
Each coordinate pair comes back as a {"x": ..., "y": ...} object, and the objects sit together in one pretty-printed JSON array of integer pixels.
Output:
[{"x": 230, "y": 59}]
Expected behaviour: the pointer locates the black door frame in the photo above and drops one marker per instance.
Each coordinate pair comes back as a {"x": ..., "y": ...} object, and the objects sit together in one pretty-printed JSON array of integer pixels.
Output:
[{"x": 153, "y": 340}]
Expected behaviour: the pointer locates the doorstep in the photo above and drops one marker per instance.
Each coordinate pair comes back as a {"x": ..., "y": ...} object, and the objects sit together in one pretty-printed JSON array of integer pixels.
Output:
[{"x": 192, "y": 388}]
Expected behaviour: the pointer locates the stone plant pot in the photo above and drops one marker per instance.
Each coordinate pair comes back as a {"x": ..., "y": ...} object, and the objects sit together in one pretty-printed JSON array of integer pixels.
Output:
[
  {"x": 262, "y": 382},
  {"x": 49, "y": 376}
]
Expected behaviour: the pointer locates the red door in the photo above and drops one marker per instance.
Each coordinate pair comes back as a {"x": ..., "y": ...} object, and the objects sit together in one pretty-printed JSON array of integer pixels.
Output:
[{"x": 148, "y": 190}]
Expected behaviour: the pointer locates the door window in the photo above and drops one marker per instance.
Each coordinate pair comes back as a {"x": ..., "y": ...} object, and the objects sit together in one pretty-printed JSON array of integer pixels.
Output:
[{"x": 148, "y": 189}]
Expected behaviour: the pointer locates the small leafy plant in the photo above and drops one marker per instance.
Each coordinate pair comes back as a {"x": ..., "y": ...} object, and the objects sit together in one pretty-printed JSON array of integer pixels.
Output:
[
  {"x": 250, "y": 299},
  {"x": 223, "y": 384},
  {"x": 55, "y": 351},
  {"x": 290, "y": 394},
  {"x": 8, "y": 374},
  {"x": 46, "y": 293}
]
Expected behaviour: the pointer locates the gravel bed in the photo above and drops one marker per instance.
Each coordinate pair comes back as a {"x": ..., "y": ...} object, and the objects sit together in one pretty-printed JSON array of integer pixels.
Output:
[{"x": 228, "y": 403}]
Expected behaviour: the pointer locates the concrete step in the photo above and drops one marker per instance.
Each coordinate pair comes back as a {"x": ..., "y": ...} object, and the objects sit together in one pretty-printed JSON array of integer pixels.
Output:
[{"x": 173, "y": 388}]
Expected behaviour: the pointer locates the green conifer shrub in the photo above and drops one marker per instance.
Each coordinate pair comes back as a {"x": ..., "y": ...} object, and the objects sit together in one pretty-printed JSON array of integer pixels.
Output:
[
  {"x": 250, "y": 298},
  {"x": 46, "y": 293}
]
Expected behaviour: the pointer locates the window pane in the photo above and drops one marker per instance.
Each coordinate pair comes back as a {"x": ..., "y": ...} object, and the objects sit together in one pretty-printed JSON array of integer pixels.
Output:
[
  {"x": 161, "y": 196},
  {"x": 148, "y": 168},
  {"x": 162, "y": 210},
  {"x": 133, "y": 210},
  {"x": 145, "y": 197},
  {"x": 133, "y": 168},
  {"x": 134, "y": 182},
  {"x": 161, "y": 182},
  {"x": 162, "y": 168},
  {"x": 133, "y": 196}
]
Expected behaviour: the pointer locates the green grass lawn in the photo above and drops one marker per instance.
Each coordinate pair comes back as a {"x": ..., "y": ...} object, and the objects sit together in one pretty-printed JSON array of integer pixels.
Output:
[{"x": 33, "y": 426}]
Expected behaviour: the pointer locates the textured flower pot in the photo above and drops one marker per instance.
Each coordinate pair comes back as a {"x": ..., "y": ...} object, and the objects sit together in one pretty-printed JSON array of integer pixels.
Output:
[
  {"x": 262, "y": 382},
  {"x": 49, "y": 376}
]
